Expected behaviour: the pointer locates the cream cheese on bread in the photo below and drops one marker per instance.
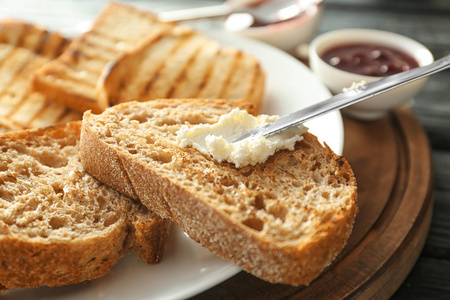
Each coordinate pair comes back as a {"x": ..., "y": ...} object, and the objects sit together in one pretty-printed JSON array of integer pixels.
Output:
[{"x": 214, "y": 139}]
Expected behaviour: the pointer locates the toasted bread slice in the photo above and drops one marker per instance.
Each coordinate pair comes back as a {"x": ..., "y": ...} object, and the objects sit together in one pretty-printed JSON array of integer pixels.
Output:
[
  {"x": 24, "y": 48},
  {"x": 7, "y": 126},
  {"x": 182, "y": 63},
  {"x": 32, "y": 37},
  {"x": 283, "y": 220},
  {"x": 59, "y": 225},
  {"x": 72, "y": 78},
  {"x": 130, "y": 55}
]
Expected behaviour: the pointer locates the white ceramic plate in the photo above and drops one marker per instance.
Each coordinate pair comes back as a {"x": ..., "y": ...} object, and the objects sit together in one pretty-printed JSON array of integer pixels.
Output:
[{"x": 187, "y": 268}]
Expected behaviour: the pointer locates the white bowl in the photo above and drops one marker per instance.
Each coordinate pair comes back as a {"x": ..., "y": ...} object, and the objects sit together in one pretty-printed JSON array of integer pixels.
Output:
[
  {"x": 285, "y": 35},
  {"x": 336, "y": 80}
]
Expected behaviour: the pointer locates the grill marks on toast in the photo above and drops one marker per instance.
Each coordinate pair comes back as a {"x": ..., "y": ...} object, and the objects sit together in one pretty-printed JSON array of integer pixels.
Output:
[
  {"x": 130, "y": 55},
  {"x": 234, "y": 63},
  {"x": 175, "y": 66},
  {"x": 182, "y": 65},
  {"x": 157, "y": 67},
  {"x": 216, "y": 82},
  {"x": 14, "y": 87},
  {"x": 12, "y": 63},
  {"x": 38, "y": 40},
  {"x": 183, "y": 73},
  {"x": 195, "y": 76},
  {"x": 24, "y": 107},
  {"x": 23, "y": 49},
  {"x": 120, "y": 85},
  {"x": 245, "y": 70},
  {"x": 128, "y": 24},
  {"x": 146, "y": 67},
  {"x": 51, "y": 45},
  {"x": 72, "y": 77}
]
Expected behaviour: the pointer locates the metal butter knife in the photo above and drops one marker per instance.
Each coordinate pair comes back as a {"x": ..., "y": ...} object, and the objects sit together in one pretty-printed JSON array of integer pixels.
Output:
[{"x": 348, "y": 98}]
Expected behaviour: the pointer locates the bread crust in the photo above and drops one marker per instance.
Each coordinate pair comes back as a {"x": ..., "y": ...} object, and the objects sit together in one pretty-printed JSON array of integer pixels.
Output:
[
  {"x": 213, "y": 230},
  {"x": 296, "y": 264},
  {"x": 36, "y": 263},
  {"x": 115, "y": 174},
  {"x": 44, "y": 82},
  {"x": 149, "y": 237}
]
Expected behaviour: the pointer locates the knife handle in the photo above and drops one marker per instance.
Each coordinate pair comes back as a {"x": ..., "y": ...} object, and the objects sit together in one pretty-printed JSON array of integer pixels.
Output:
[{"x": 195, "y": 13}]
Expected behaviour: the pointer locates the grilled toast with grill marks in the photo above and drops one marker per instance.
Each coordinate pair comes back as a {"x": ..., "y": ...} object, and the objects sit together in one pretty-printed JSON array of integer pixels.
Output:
[
  {"x": 32, "y": 37},
  {"x": 55, "y": 226},
  {"x": 24, "y": 48},
  {"x": 72, "y": 78},
  {"x": 182, "y": 64},
  {"x": 130, "y": 55}
]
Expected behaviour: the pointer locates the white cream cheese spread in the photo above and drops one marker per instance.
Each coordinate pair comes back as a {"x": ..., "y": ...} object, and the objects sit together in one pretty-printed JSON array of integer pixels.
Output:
[
  {"x": 355, "y": 86},
  {"x": 214, "y": 139}
]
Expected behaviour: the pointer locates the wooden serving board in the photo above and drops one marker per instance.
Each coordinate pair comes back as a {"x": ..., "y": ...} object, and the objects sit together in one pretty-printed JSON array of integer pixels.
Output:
[{"x": 391, "y": 159}]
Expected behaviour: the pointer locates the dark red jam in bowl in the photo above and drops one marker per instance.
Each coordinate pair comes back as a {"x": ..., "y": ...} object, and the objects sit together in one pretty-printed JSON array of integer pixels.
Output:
[{"x": 369, "y": 59}]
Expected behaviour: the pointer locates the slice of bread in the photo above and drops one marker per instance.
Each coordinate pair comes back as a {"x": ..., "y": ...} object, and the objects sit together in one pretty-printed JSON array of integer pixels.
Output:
[
  {"x": 24, "y": 48},
  {"x": 72, "y": 78},
  {"x": 130, "y": 55},
  {"x": 283, "y": 220},
  {"x": 32, "y": 37},
  {"x": 182, "y": 63},
  {"x": 58, "y": 224}
]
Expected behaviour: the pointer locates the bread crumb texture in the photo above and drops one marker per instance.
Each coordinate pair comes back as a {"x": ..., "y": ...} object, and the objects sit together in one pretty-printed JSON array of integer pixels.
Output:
[
  {"x": 58, "y": 224},
  {"x": 283, "y": 220}
]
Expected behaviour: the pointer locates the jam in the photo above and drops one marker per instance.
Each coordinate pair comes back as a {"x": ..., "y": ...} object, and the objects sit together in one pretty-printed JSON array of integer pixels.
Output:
[{"x": 369, "y": 59}]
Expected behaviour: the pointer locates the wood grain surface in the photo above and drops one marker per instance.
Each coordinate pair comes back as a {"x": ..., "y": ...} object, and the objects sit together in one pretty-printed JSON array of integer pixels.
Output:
[{"x": 429, "y": 23}]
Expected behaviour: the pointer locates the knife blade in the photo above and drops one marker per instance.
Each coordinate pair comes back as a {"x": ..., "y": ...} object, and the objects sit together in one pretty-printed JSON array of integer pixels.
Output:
[{"x": 348, "y": 98}]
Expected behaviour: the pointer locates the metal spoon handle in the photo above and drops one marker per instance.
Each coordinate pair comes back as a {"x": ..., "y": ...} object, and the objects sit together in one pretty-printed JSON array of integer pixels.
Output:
[
  {"x": 196, "y": 13},
  {"x": 349, "y": 97}
]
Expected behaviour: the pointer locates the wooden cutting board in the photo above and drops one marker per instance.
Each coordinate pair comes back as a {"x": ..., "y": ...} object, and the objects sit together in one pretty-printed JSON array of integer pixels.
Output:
[{"x": 392, "y": 162}]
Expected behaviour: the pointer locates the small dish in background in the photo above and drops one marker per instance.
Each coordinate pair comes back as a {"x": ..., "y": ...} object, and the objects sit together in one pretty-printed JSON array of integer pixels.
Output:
[
  {"x": 337, "y": 80},
  {"x": 285, "y": 35}
]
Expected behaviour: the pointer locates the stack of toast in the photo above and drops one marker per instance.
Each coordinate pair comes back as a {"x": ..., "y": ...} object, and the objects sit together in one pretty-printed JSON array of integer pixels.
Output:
[
  {"x": 24, "y": 48},
  {"x": 130, "y": 55},
  {"x": 58, "y": 224},
  {"x": 90, "y": 167}
]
